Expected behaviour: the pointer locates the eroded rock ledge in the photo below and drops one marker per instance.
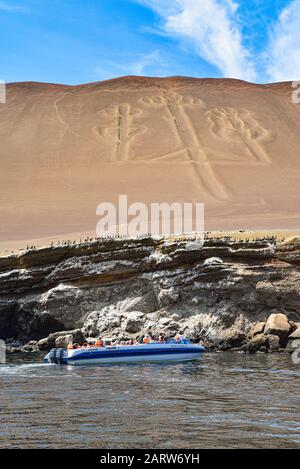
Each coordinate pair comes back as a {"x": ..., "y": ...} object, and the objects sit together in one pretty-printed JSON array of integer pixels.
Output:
[{"x": 215, "y": 293}]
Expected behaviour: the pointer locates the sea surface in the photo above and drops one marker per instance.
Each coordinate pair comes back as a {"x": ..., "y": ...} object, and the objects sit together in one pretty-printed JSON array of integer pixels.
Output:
[{"x": 224, "y": 400}]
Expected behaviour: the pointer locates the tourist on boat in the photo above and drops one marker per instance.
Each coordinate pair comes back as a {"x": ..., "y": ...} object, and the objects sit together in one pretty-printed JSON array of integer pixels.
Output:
[
  {"x": 147, "y": 339},
  {"x": 161, "y": 338},
  {"x": 70, "y": 346},
  {"x": 178, "y": 338},
  {"x": 99, "y": 342}
]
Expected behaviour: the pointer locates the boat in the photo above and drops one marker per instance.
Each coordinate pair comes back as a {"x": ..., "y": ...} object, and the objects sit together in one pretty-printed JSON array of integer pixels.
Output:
[{"x": 110, "y": 354}]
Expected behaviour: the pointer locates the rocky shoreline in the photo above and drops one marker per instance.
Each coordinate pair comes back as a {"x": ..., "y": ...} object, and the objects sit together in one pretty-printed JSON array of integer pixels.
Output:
[{"x": 225, "y": 294}]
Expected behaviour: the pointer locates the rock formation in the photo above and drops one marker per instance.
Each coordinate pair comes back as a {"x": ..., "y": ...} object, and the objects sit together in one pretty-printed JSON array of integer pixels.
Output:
[{"x": 224, "y": 293}]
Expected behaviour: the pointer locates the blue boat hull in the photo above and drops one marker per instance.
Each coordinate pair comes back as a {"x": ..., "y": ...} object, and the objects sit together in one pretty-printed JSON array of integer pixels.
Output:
[{"x": 131, "y": 354}]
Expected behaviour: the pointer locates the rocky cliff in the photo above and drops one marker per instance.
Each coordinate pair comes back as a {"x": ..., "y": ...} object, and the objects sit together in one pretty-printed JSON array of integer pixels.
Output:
[{"x": 216, "y": 292}]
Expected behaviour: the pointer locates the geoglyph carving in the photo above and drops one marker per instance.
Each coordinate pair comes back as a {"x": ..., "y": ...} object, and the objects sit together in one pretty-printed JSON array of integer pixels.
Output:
[
  {"x": 239, "y": 125},
  {"x": 124, "y": 122}
]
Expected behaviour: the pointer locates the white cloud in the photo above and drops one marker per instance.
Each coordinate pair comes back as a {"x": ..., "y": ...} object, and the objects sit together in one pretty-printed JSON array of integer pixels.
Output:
[
  {"x": 151, "y": 63},
  {"x": 212, "y": 28},
  {"x": 4, "y": 6},
  {"x": 284, "y": 45},
  {"x": 140, "y": 66}
]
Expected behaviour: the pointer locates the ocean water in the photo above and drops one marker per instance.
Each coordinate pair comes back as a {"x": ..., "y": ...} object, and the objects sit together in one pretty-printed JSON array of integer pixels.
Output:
[{"x": 224, "y": 400}]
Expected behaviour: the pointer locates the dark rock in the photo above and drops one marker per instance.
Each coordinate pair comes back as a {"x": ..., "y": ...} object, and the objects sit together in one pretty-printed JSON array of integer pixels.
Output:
[
  {"x": 273, "y": 342},
  {"x": 256, "y": 343},
  {"x": 224, "y": 286},
  {"x": 43, "y": 344},
  {"x": 224, "y": 346},
  {"x": 133, "y": 325},
  {"x": 263, "y": 349}
]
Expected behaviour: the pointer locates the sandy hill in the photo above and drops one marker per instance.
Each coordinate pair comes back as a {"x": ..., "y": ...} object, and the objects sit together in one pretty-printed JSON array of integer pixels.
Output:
[{"x": 228, "y": 143}]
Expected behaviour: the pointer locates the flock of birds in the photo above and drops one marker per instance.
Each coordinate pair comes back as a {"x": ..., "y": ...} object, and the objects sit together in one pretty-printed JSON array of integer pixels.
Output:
[
  {"x": 89, "y": 240},
  {"x": 269, "y": 239},
  {"x": 69, "y": 243}
]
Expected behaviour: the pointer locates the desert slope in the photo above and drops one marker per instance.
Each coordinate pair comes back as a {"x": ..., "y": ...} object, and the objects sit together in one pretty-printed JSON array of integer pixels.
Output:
[{"x": 228, "y": 143}]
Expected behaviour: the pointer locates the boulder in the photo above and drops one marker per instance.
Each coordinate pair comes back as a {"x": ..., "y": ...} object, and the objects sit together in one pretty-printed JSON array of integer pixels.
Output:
[
  {"x": 32, "y": 346},
  {"x": 193, "y": 333},
  {"x": 273, "y": 342},
  {"x": 256, "y": 343},
  {"x": 258, "y": 328},
  {"x": 133, "y": 323},
  {"x": 63, "y": 341},
  {"x": 133, "y": 326},
  {"x": 75, "y": 335},
  {"x": 59, "y": 304},
  {"x": 175, "y": 317},
  {"x": 172, "y": 325},
  {"x": 294, "y": 339},
  {"x": 90, "y": 328},
  {"x": 295, "y": 334},
  {"x": 146, "y": 303},
  {"x": 278, "y": 324},
  {"x": 168, "y": 297},
  {"x": 52, "y": 337},
  {"x": 236, "y": 339},
  {"x": 165, "y": 321},
  {"x": 292, "y": 345},
  {"x": 259, "y": 339},
  {"x": 108, "y": 325},
  {"x": 224, "y": 346},
  {"x": 43, "y": 344}
]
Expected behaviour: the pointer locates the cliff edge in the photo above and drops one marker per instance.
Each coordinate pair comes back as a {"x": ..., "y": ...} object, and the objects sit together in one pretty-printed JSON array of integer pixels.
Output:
[{"x": 216, "y": 292}]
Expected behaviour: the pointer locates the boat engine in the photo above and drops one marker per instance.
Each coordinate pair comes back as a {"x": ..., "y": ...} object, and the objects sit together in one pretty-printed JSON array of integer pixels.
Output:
[{"x": 57, "y": 356}]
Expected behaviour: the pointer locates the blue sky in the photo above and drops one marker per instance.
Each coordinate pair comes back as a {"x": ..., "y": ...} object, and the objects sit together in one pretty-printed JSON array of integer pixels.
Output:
[{"x": 79, "y": 41}]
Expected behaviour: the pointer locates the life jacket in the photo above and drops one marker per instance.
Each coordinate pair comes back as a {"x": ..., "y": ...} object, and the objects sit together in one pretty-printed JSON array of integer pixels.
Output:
[
  {"x": 99, "y": 343},
  {"x": 146, "y": 340}
]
